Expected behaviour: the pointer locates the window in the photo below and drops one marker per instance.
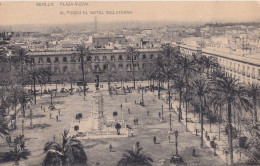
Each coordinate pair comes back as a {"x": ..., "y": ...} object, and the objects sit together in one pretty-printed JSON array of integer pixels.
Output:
[
  {"x": 144, "y": 56},
  {"x": 120, "y": 57},
  {"x": 243, "y": 69},
  {"x": 65, "y": 68},
  {"x": 151, "y": 56},
  {"x": 253, "y": 72},
  {"x": 65, "y": 59},
  {"x": 136, "y": 57},
  {"x": 72, "y": 59},
  {"x": 120, "y": 66},
  {"x": 128, "y": 57},
  {"x": 112, "y": 57},
  {"x": 40, "y": 60},
  {"x": 104, "y": 58},
  {"x": 96, "y": 58},
  {"x": 48, "y": 60},
  {"x": 89, "y": 58},
  {"x": 143, "y": 65},
  {"x": 248, "y": 71},
  {"x": 128, "y": 67},
  {"x": 136, "y": 67},
  {"x": 56, "y": 60},
  {"x": 105, "y": 67}
]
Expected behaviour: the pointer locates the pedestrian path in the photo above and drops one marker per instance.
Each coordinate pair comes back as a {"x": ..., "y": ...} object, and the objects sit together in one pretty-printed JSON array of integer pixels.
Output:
[{"x": 222, "y": 144}]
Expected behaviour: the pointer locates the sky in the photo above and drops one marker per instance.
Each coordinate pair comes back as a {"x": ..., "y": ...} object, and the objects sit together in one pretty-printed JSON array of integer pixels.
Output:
[{"x": 28, "y": 12}]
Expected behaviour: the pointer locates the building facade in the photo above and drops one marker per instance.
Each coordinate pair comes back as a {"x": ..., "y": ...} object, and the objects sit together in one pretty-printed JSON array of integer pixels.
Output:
[
  {"x": 246, "y": 69},
  {"x": 116, "y": 64}
]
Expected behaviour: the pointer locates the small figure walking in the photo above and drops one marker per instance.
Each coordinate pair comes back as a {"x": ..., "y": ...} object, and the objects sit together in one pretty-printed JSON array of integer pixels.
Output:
[
  {"x": 44, "y": 109},
  {"x": 129, "y": 111},
  {"x": 110, "y": 147},
  {"x": 159, "y": 114},
  {"x": 193, "y": 152},
  {"x": 147, "y": 113},
  {"x": 154, "y": 140},
  {"x": 41, "y": 107},
  {"x": 57, "y": 118},
  {"x": 132, "y": 133},
  {"x": 50, "y": 115},
  {"x": 169, "y": 138},
  {"x": 121, "y": 105},
  {"x": 125, "y": 100},
  {"x": 59, "y": 111}
]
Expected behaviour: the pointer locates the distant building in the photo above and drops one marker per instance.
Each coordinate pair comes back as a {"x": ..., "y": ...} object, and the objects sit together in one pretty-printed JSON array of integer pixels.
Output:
[{"x": 100, "y": 41}]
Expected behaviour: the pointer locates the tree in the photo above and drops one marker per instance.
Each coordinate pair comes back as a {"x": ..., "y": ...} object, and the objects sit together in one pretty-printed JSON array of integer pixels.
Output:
[
  {"x": 115, "y": 114},
  {"x": 133, "y": 53},
  {"x": 135, "y": 157},
  {"x": 201, "y": 89},
  {"x": 179, "y": 86},
  {"x": 118, "y": 127},
  {"x": 70, "y": 152},
  {"x": 254, "y": 93},
  {"x": 235, "y": 94},
  {"x": 35, "y": 75},
  {"x": 82, "y": 51},
  {"x": 209, "y": 62},
  {"x": 109, "y": 73}
]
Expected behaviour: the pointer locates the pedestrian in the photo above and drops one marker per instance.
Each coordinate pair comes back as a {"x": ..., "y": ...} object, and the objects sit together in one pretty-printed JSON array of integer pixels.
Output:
[
  {"x": 147, "y": 113},
  {"x": 57, "y": 118},
  {"x": 135, "y": 101},
  {"x": 50, "y": 115},
  {"x": 129, "y": 111},
  {"x": 169, "y": 138},
  {"x": 125, "y": 100},
  {"x": 193, "y": 152},
  {"x": 132, "y": 132},
  {"x": 110, "y": 147},
  {"x": 41, "y": 107},
  {"x": 22, "y": 146},
  {"x": 137, "y": 144},
  {"x": 154, "y": 140},
  {"x": 121, "y": 105},
  {"x": 159, "y": 114},
  {"x": 59, "y": 111},
  {"x": 136, "y": 120},
  {"x": 44, "y": 109}
]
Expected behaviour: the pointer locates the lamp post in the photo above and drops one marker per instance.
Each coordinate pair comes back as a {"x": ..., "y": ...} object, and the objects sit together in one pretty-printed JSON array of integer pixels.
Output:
[
  {"x": 162, "y": 112},
  {"x": 143, "y": 95},
  {"x": 176, "y": 141},
  {"x": 170, "y": 122},
  {"x": 31, "y": 115},
  {"x": 22, "y": 127}
]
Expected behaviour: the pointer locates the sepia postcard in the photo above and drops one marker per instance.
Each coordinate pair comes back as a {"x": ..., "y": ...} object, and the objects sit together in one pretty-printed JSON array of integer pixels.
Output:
[{"x": 129, "y": 83}]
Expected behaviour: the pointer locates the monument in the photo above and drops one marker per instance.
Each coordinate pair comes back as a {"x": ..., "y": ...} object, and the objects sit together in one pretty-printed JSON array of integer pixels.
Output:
[
  {"x": 97, "y": 107},
  {"x": 97, "y": 125}
]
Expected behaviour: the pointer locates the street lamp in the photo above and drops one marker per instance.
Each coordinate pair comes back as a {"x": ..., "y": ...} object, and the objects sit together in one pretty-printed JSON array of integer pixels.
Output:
[
  {"x": 176, "y": 142},
  {"x": 170, "y": 122},
  {"x": 22, "y": 127},
  {"x": 162, "y": 112}
]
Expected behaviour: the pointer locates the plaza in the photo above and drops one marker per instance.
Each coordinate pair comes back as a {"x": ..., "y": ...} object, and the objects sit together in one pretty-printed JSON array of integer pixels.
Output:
[{"x": 44, "y": 129}]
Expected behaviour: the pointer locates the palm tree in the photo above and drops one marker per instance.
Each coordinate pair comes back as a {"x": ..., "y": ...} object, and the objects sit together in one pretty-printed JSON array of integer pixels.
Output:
[
  {"x": 135, "y": 157},
  {"x": 70, "y": 152},
  {"x": 36, "y": 76},
  {"x": 254, "y": 93},
  {"x": 201, "y": 89},
  {"x": 133, "y": 53},
  {"x": 83, "y": 51},
  {"x": 179, "y": 86},
  {"x": 235, "y": 94},
  {"x": 209, "y": 62}
]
